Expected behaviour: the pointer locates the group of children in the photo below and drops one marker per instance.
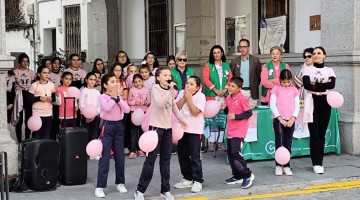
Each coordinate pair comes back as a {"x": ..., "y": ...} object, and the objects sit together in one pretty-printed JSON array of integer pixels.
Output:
[{"x": 111, "y": 95}]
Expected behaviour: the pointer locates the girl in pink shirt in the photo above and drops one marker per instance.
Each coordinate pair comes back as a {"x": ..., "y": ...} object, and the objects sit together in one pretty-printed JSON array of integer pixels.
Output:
[
  {"x": 42, "y": 96},
  {"x": 139, "y": 98},
  {"x": 285, "y": 106},
  {"x": 112, "y": 109},
  {"x": 66, "y": 116},
  {"x": 191, "y": 102},
  {"x": 162, "y": 106},
  {"x": 149, "y": 79},
  {"x": 238, "y": 112}
]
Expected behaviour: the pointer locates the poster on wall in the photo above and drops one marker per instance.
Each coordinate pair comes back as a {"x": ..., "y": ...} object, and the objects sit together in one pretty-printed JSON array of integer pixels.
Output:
[
  {"x": 272, "y": 33},
  {"x": 237, "y": 28}
]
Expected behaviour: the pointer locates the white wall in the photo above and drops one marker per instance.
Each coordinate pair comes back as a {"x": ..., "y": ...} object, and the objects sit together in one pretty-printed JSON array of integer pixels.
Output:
[
  {"x": 305, "y": 38},
  {"x": 49, "y": 12},
  {"x": 133, "y": 29},
  {"x": 179, "y": 11}
]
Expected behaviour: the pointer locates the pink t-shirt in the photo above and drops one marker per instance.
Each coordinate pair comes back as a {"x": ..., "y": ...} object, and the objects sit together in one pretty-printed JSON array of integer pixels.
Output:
[
  {"x": 195, "y": 124},
  {"x": 320, "y": 75},
  {"x": 110, "y": 110},
  {"x": 24, "y": 78},
  {"x": 69, "y": 104},
  {"x": 285, "y": 102},
  {"x": 55, "y": 78},
  {"x": 237, "y": 104},
  {"x": 40, "y": 108},
  {"x": 149, "y": 83},
  {"x": 136, "y": 94}
]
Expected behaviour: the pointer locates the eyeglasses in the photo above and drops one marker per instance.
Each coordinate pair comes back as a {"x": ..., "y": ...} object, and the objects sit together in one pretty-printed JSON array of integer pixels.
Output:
[
  {"x": 182, "y": 59},
  {"x": 308, "y": 56},
  {"x": 242, "y": 47}
]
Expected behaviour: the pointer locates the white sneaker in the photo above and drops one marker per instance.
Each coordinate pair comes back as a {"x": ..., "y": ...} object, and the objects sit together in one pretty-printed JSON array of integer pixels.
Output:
[
  {"x": 196, "y": 187},
  {"x": 167, "y": 196},
  {"x": 318, "y": 169},
  {"x": 183, "y": 183},
  {"x": 138, "y": 195},
  {"x": 287, "y": 171},
  {"x": 121, "y": 188},
  {"x": 99, "y": 192},
  {"x": 95, "y": 158},
  {"x": 279, "y": 171}
]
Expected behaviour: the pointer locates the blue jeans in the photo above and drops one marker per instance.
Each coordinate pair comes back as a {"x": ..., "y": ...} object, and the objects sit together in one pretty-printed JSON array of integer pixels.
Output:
[{"x": 113, "y": 138}]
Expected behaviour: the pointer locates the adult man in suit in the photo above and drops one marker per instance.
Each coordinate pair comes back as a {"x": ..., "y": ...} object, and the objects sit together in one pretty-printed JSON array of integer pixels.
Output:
[{"x": 247, "y": 67}]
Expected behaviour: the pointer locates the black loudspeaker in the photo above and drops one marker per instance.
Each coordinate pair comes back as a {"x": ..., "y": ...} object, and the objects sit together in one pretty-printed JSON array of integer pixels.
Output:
[
  {"x": 73, "y": 157},
  {"x": 40, "y": 164}
]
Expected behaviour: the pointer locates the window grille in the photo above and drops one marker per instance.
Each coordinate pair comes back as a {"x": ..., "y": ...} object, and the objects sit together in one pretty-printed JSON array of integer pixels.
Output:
[
  {"x": 72, "y": 29},
  {"x": 158, "y": 27}
]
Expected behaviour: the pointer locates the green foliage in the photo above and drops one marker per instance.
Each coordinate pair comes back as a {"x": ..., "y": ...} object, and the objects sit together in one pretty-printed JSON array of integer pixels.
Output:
[{"x": 62, "y": 54}]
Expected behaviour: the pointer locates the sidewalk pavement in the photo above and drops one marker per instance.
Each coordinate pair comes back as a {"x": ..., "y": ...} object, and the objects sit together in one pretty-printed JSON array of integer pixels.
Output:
[{"x": 215, "y": 170}]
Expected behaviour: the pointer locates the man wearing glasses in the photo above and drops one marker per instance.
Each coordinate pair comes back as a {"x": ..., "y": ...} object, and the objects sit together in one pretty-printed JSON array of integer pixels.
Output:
[{"x": 247, "y": 67}]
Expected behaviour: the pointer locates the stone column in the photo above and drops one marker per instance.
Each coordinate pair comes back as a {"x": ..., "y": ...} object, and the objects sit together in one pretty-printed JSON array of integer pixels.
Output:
[
  {"x": 340, "y": 26},
  {"x": 7, "y": 144},
  {"x": 200, "y": 28}
]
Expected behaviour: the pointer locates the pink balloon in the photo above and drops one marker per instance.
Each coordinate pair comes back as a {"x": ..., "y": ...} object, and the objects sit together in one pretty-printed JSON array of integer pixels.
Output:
[
  {"x": 138, "y": 117},
  {"x": 148, "y": 141},
  {"x": 129, "y": 80},
  {"x": 94, "y": 148},
  {"x": 145, "y": 124},
  {"x": 34, "y": 123},
  {"x": 212, "y": 108},
  {"x": 335, "y": 99},
  {"x": 177, "y": 132},
  {"x": 73, "y": 92},
  {"x": 282, "y": 155},
  {"x": 89, "y": 111}
]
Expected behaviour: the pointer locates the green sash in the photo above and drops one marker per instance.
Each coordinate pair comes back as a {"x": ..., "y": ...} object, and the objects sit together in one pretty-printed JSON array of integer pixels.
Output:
[
  {"x": 269, "y": 67},
  {"x": 214, "y": 78},
  {"x": 177, "y": 78}
]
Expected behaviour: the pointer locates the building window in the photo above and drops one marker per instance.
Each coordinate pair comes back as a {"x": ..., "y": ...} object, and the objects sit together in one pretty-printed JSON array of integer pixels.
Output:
[
  {"x": 72, "y": 29},
  {"x": 14, "y": 14},
  {"x": 158, "y": 27},
  {"x": 274, "y": 22}
]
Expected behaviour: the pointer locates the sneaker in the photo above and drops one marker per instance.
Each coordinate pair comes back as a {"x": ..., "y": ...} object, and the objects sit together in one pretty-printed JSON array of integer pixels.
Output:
[
  {"x": 222, "y": 147},
  {"x": 121, "y": 188},
  {"x": 99, "y": 192},
  {"x": 132, "y": 155},
  {"x": 97, "y": 157},
  {"x": 318, "y": 169},
  {"x": 167, "y": 196},
  {"x": 247, "y": 182},
  {"x": 141, "y": 153},
  {"x": 279, "y": 171},
  {"x": 126, "y": 151},
  {"x": 232, "y": 181},
  {"x": 211, "y": 147},
  {"x": 287, "y": 171},
  {"x": 183, "y": 183},
  {"x": 196, "y": 187},
  {"x": 138, "y": 195}
]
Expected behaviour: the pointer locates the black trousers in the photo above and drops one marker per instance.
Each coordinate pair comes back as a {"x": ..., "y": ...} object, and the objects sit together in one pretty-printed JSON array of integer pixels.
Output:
[
  {"x": 44, "y": 131},
  {"x": 189, "y": 147},
  {"x": 27, "y": 108},
  {"x": 321, "y": 118},
  {"x": 92, "y": 127},
  {"x": 164, "y": 148},
  {"x": 127, "y": 130},
  {"x": 135, "y": 134},
  {"x": 283, "y": 137},
  {"x": 237, "y": 163},
  {"x": 56, "y": 123}
]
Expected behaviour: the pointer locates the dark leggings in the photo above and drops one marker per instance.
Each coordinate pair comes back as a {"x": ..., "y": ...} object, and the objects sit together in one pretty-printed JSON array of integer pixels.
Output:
[
  {"x": 27, "y": 108},
  {"x": 283, "y": 137}
]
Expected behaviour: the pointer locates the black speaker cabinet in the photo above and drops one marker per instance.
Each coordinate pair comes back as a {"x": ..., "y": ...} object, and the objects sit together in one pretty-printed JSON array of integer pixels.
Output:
[
  {"x": 40, "y": 164},
  {"x": 73, "y": 157}
]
